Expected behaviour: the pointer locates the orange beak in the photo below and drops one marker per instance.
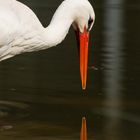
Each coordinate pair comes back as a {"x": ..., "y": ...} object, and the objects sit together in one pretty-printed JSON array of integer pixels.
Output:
[{"x": 83, "y": 39}]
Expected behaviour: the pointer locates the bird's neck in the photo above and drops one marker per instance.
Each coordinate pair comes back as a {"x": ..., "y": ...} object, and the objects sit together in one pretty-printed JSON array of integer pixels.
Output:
[
  {"x": 56, "y": 31},
  {"x": 59, "y": 25},
  {"x": 50, "y": 36}
]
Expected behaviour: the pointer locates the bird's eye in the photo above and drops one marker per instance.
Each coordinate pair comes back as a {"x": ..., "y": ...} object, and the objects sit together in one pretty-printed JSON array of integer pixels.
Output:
[{"x": 90, "y": 21}]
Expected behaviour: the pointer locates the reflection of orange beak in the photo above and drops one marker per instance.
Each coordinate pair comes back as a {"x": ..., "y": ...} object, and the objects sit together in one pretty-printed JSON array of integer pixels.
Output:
[
  {"x": 83, "y": 39},
  {"x": 83, "y": 135}
]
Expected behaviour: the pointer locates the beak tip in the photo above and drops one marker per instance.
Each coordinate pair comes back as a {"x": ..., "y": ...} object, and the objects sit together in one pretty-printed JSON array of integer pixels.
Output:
[{"x": 84, "y": 87}]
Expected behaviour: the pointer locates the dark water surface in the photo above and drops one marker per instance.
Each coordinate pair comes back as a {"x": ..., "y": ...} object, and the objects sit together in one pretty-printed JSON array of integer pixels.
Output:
[{"x": 40, "y": 93}]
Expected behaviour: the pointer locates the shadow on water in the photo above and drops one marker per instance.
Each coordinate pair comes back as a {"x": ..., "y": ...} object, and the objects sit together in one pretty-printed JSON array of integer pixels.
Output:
[{"x": 40, "y": 93}]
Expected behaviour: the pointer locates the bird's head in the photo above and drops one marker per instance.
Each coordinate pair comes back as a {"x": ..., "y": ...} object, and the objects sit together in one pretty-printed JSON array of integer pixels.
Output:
[
  {"x": 83, "y": 22},
  {"x": 84, "y": 16}
]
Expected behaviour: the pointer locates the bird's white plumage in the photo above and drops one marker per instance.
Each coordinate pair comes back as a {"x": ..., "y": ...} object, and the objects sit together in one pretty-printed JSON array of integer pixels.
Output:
[{"x": 21, "y": 31}]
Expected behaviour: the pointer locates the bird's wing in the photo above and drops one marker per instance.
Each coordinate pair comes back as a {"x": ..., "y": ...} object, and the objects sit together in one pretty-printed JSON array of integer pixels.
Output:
[
  {"x": 8, "y": 22},
  {"x": 26, "y": 16},
  {"x": 6, "y": 1},
  {"x": 16, "y": 18}
]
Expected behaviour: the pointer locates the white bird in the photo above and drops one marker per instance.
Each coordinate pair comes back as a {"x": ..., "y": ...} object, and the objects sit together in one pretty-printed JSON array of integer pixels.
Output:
[{"x": 21, "y": 30}]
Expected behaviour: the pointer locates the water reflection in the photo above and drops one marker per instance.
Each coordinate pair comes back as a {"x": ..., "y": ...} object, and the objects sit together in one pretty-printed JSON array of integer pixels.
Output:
[{"x": 113, "y": 62}]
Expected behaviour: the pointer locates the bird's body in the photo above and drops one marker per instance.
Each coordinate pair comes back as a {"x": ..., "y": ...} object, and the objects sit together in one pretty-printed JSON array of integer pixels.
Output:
[
  {"x": 21, "y": 30},
  {"x": 18, "y": 26}
]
